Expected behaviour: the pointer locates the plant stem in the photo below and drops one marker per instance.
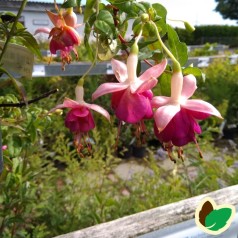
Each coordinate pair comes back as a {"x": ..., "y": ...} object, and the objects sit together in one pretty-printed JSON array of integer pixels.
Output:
[
  {"x": 22, "y": 104},
  {"x": 96, "y": 53},
  {"x": 176, "y": 67},
  {"x": 11, "y": 33}
]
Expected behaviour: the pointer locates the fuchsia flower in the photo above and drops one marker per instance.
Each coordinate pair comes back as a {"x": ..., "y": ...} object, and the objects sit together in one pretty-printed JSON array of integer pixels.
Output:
[
  {"x": 79, "y": 119},
  {"x": 63, "y": 37},
  {"x": 131, "y": 97},
  {"x": 176, "y": 116}
]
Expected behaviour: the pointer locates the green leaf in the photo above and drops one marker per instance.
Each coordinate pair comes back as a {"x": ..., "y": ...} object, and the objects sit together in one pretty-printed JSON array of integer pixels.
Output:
[
  {"x": 164, "y": 83},
  {"x": 129, "y": 7},
  {"x": 178, "y": 49},
  {"x": 136, "y": 26},
  {"x": 105, "y": 16},
  {"x": 69, "y": 3},
  {"x": 152, "y": 55},
  {"x": 90, "y": 8},
  {"x": 217, "y": 219},
  {"x": 14, "y": 146},
  {"x": 32, "y": 130},
  {"x": 119, "y": 1},
  {"x": 162, "y": 27},
  {"x": 104, "y": 24},
  {"x": 140, "y": 6},
  {"x": 160, "y": 10},
  {"x": 146, "y": 5},
  {"x": 149, "y": 33},
  {"x": 28, "y": 40},
  {"x": 123, "y": 25},
  {"x": 194, "y": 71},
  {"x": 18, "y": 85},
  {"x": 98, "y": 198},
  {"x": 86, "y": 42},
  {"x": 8, "y": 179},
  {"x": 145, "y": 43},
  {"x": 13, "y": 220}
]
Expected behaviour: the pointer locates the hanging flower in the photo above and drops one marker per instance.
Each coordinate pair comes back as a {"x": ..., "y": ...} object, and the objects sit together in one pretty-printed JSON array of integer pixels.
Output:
[
  {"x": 79, "y": 119},
  {"x": 63, "y": 37},
  {"x": 131, "y": 97},
  {"x": 176, "y": 116}
]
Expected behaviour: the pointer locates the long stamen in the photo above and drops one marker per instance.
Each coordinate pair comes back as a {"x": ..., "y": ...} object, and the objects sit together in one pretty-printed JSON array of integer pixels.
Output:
[
  {"x": 143, "y": 127},
  {"x": 78, "y": 145},
  {"x": 168, "y": 147},
  {"x": 198, "y": 148},
  {"x": 180, "y": 153},
  {"x": 88, "y": 144},
  {"x": 144, "y": 132}
]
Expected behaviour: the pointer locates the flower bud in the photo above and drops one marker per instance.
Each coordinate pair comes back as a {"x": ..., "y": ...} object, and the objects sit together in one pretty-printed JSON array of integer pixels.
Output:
[
  {"x": 58, "y": 111},
  {"x": 189, "y": 27},
  {"x": 145, "y": 17},
  {"x": 70, "y": 17}
]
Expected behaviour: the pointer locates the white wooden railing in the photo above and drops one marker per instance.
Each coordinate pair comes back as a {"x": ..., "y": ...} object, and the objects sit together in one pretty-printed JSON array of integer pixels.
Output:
[{"x": 154, "y": 219}]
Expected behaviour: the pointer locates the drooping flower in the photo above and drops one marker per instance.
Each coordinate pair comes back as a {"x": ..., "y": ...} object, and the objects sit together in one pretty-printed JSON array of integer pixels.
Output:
[
  {"x": 131, "y": 96},
  {"x": 176, "y": 116},
  {"x": 79, "y": 119},
  {"x": 62, "y": 37}
]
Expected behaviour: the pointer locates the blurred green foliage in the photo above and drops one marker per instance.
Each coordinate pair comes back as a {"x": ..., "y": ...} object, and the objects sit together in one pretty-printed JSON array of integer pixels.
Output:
[
  {"x": 220, "y": 88},
  {"x": 206, "y": 50},
  {"x": 222, "y": 34}
]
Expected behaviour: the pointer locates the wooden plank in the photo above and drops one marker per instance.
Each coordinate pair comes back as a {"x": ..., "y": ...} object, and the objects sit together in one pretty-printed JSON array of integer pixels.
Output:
[{"x": 154, "y": 219}]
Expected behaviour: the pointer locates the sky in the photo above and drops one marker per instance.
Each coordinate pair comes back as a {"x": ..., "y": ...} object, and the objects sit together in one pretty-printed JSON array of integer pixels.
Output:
[{"x": 196, "y": 12}]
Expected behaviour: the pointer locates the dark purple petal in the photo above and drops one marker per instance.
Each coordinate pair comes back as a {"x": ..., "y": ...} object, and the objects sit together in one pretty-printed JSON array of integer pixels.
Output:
[
  {"x": 148, "y": 94},
  {"x": 79, "y": 121},
  {"x": 87, "y": 123},
  {"x": 80, "y": 112},
  {"x": 130, "y": 107},
  {"x": 180, "y": 130},
  {"x": 115, "y": 99},
  {"x": 149, "y": 112}
]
